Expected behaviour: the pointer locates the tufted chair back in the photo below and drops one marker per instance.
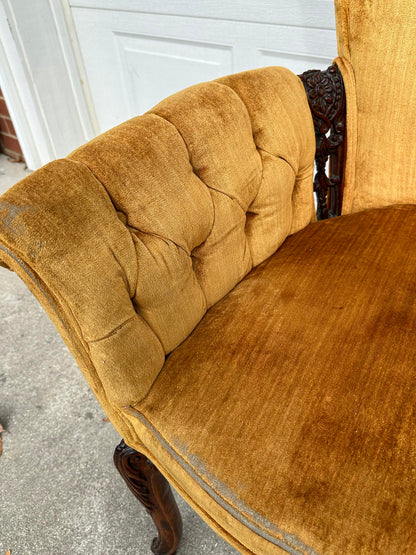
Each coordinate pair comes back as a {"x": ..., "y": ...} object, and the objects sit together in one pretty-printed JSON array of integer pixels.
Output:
[
  {"x": 157, "y": 219},
  {"x": 377, "y": 49}
]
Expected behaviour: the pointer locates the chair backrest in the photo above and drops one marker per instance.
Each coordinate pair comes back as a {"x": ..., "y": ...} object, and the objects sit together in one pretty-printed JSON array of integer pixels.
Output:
[
  {"x": 377, "y": 49},
  {"x": 130, "y": 239}
]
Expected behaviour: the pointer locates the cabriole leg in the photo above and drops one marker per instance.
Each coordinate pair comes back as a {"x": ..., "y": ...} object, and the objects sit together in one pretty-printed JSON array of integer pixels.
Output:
[{"x": 153, "y": 490}]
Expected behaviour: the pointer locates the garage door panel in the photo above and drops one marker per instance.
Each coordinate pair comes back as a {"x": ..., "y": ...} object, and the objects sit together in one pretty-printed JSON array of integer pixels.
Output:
[{"x": 133, "y": 59}]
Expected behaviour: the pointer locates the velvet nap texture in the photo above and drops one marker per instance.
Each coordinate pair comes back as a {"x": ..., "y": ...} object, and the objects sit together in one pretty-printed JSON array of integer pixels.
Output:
[
  {"x": 377, "y": 49},
  {"x": 130, "y": 239},
  {"x": 284, "y": 411},
  {"x": 296, "y": 414}
]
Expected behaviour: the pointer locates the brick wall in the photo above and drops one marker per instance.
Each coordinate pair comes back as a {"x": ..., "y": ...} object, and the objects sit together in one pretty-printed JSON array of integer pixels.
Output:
[{"x": 9, "y": 143}]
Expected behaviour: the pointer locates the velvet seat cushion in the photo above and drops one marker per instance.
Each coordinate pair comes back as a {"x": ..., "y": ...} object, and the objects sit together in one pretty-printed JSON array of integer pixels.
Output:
[{"x": 292, "y": 404}]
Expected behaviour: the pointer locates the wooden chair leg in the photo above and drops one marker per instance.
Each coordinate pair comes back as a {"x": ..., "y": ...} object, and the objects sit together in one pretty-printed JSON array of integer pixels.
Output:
[{"x": 153, "y": 491}]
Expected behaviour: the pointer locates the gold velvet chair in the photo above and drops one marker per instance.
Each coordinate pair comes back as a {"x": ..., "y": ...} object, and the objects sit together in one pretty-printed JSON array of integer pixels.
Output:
[{"x": 262, "y": 361}]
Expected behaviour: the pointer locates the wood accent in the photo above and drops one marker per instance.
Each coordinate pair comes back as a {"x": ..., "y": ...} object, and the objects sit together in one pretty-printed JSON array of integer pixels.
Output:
[
  {"x": 326, "y": 97},
  {"x": 153, "y": 491}
]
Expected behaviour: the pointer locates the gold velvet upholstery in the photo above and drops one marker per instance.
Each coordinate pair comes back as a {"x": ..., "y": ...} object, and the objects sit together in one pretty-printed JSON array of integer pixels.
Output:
[
  {"x": 377, "y": 49},
  {"x": 320, "y": 456},
  {"x": 262, "y": 360},
  {"x": 168, "y": 211}
]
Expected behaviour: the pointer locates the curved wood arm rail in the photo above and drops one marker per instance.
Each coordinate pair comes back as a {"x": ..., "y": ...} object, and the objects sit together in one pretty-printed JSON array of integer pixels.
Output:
[
  {"x": 326, "y": 96},
  {"x": 153, "y": 491}
]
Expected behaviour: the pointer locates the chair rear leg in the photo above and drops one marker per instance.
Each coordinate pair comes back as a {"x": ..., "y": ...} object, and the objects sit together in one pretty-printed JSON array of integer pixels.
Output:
[{"x": 153, "y": 491}]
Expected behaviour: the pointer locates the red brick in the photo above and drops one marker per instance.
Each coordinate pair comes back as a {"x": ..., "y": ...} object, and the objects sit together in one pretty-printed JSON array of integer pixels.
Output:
[
  {"x": 17, "y": 157},
  {"x": 11, "y": 144},
  {"x": 14, "y": 155},
  {"x": 3, "y": 109},
  {"x": 11, "y": 128},
  {"x": 4, "y": 128}
]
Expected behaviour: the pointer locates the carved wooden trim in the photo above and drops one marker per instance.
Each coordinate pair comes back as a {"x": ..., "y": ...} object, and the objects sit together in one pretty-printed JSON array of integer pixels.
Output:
[
  {"x": 153, "y": 491},
  {"x": 326, "y": 96}
]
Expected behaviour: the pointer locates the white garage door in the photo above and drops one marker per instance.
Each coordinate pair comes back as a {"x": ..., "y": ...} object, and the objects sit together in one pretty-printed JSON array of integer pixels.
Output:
[{"x": 137, "y": 52}]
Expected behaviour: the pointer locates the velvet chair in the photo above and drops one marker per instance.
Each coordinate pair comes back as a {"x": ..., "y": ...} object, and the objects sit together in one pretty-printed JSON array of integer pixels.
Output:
[{"x": 260, "y": 361}]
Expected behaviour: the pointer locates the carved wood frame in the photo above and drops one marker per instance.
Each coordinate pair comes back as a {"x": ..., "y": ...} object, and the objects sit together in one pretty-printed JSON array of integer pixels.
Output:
[
  {"x": 326, "y": 97},
  {"x": 153, "y": 490}
]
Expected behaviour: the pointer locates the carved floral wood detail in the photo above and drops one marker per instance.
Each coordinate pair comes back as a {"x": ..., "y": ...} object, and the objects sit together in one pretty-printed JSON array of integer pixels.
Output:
[
  {"x": 326, "y": 96},
  {"x": 153, "y": 491}
]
